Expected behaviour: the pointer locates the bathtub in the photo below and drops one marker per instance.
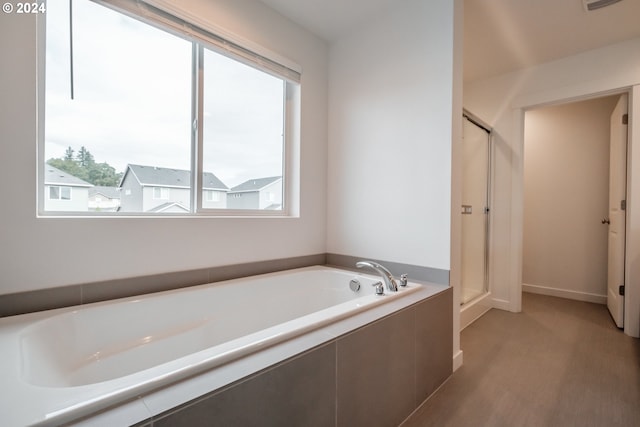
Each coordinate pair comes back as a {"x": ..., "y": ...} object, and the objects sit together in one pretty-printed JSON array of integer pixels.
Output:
[{"x": 62, "y": 365}]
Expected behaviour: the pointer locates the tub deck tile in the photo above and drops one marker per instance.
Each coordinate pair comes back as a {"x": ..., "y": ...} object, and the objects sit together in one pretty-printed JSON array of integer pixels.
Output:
[
  {"x": 376, "y": 372},
  {"x": 298, "y": 392}
]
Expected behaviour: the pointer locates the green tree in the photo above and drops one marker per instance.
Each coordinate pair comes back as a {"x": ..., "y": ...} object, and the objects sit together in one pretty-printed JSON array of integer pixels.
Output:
[
  {"x": 84, "y": 166},
  {"x": 70, "y": 166},
  {"x": 85, "y": 158},
  {"x": 104, "y": 174},
  {"x": 68, "y": 155}
]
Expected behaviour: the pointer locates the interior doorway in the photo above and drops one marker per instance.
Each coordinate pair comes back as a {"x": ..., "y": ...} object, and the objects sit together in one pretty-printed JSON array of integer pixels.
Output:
[{"x": 566, "y": 199}]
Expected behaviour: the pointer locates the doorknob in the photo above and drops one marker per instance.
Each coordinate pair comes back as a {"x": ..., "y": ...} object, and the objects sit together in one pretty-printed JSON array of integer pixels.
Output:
[{"x": 606, "y": 221}]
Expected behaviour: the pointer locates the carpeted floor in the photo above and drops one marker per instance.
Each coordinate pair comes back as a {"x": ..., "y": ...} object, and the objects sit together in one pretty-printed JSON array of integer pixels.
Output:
[{"x": 558, "y": 363}]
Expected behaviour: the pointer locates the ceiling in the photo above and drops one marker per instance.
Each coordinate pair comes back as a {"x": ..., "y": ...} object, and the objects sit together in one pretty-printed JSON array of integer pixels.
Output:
[
  {"x": 499, "y": 35},
  {"x": 330, "y": 19}
]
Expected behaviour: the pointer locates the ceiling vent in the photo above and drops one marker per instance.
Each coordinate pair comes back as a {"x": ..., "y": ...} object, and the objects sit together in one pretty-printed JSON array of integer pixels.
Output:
[{"x": 590, "y": 5}]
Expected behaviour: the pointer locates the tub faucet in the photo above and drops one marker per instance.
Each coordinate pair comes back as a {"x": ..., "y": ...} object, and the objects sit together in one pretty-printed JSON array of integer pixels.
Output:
[{"x": 387, "y": 277}]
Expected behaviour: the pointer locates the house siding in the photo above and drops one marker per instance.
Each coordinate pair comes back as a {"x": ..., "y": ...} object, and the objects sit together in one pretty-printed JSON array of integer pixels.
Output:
[
  {"x": 177, "y": 195},
  {"x": 100, "y": 202},
  {"x": 220, "y": 204},
  {"x": 130, "y": 195},
  {"x": 79, "y": 200},
  {"x": 274, "y": 188},
  {"x": 246, "y": 200}
]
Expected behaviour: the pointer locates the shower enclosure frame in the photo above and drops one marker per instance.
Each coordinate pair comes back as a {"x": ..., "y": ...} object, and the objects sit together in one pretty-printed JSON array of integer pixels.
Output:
[{"x": 475, "y": 307}]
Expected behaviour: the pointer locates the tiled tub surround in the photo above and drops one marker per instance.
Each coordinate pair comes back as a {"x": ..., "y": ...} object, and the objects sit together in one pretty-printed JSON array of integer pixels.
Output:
[
  {"x": 50, "y": 390},
  {"x": 87, "y": 293},
  {"x": 375, "y": 375}
]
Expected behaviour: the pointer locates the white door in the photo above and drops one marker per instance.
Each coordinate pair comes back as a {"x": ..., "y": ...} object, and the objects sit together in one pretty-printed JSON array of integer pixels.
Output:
[{"x": 617, "y": 206}]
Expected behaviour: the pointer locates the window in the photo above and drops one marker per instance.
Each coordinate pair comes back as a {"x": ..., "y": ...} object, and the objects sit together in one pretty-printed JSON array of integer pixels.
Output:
[
  {"x": 144, "y": 107},
  {"x": 243, "y": 121},
  {"x": 59, "y": 193},
  {"x": 212, "y": 196},
  {"x": 161, "y": 193}
]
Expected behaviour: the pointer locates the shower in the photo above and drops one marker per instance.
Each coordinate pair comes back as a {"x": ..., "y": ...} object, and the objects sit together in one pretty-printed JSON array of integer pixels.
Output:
[{"x": 475, "y": 210}]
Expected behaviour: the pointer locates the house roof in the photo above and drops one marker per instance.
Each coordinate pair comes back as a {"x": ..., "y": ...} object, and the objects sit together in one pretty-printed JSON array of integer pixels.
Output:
[
  {"x": 55, "y": 176},
  {"x": 109, "y": 192},
  {"x": 154, "y": 176},
  {"x": 255, "y": 184},
  {"x": 169, "y": 205}
]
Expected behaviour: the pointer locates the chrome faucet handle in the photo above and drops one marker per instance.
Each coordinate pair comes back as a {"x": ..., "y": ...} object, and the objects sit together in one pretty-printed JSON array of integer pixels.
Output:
[
  {"x": 386, "y": 275},
  {"x": 403, "y": 280},
  {"x": 379, "y": 287}
]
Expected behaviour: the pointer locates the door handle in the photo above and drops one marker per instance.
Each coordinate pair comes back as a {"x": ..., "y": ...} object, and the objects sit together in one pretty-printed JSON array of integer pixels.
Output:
[{"x": 606, "y": 221}]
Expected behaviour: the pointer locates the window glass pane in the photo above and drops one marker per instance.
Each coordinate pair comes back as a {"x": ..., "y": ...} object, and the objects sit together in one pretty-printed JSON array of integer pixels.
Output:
[
  {"x": 65, "y": 193},
  {"x": 54, "y": 193},
  {"x": 131, "y": 106},
  {"x": 118, "y": 126},
  {"x": 243, "y": 134}
]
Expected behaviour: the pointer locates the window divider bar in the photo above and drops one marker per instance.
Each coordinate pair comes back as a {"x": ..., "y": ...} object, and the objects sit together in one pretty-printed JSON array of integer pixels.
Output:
[{"x": 197, "y": 116}]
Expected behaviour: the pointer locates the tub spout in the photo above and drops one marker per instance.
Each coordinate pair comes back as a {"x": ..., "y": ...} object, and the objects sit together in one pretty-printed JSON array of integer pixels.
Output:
[{"x": 386, "y": 275}]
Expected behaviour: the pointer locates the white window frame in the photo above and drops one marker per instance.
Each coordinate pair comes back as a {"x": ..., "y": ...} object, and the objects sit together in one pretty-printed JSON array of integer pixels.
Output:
[{"x": 168, "y": 17}]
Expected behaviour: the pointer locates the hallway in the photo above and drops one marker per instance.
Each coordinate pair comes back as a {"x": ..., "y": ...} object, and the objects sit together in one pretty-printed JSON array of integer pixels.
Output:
[{"x": 558, "y": 363}]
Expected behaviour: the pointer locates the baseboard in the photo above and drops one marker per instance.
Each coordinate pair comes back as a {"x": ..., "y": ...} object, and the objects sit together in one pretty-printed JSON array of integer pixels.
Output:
[
  {"x": 501, "y": 304},
  {"x": 564, "y": 293},
  {"x": 457, "y": 360},
  {"x": 472, "y": 311}
]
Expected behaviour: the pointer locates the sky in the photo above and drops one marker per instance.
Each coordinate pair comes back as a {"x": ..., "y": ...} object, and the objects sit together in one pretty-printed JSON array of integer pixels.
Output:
[{"x": 132, "y": 98}]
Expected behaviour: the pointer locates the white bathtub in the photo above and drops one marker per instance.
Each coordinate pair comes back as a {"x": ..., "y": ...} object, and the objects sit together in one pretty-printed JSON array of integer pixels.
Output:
[{"x": 65, "y": 364}]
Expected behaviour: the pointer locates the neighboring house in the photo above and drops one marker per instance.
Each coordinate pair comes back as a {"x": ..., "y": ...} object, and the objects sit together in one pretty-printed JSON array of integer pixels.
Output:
[
  {"x": 170, "y": 207},
  {"x": 262, "y": 193},
  {"x": 64, "y": 192},
  {"x": 155, "y": 189},
  {"x": 104, "y": 199}
]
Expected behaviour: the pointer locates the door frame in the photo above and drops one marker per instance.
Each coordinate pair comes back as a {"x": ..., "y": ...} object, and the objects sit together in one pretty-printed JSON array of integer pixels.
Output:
[{"x": 532, "y": 101}]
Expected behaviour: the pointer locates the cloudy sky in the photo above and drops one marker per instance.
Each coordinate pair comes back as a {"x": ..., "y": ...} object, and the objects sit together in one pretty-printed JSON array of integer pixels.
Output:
[{"x": 132, "y": 98}]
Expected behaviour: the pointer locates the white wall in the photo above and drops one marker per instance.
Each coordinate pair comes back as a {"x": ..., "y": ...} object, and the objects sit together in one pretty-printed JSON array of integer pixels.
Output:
[
  {"x": 35, "y": 251},
  {"x": 566, "y": 195},
  {"x": 390, "y": 130},
  {"x": 501, "y": 102},
  {"x": 395, "y": 106}
]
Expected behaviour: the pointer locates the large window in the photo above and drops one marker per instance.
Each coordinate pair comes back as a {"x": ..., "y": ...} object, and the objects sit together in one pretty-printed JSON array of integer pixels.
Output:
[{"x": 158, "y": 114}]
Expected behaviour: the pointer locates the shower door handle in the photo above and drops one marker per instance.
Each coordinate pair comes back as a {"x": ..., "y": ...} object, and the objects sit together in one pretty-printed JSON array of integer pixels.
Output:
[{"x": 606, "y": 221}]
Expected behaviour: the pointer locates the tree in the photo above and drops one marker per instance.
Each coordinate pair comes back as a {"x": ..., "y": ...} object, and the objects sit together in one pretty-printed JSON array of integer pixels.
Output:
[
  {"x": 68, "y": 155},
  {"x": 85, "y": 158},
  {"x": 83, "y": 166},
  {"x": 104, "y": 174},
  {"x": 69, "y": 166}
]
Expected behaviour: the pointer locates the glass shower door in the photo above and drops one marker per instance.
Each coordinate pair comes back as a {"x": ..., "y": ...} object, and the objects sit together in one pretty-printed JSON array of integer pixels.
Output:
[{"x": 475, "y": 209}]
